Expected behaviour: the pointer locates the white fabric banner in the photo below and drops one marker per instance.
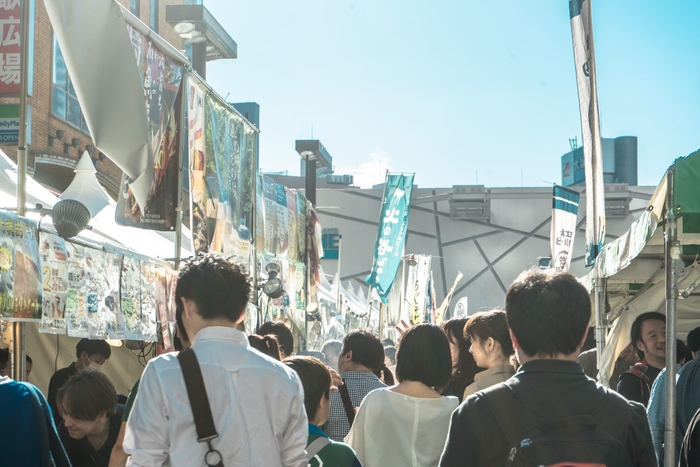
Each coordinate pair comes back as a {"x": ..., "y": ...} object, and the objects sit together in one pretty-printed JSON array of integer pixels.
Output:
[
  {"x": 564, "y": 214},
  {"x": 417, "y": 287},
  {"x": 584, "y": 55}
]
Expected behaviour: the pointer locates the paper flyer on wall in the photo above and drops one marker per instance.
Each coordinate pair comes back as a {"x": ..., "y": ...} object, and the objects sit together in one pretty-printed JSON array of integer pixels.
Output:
[
  {"x": 148, "y": 302},
  {"x": 20, "y": 276},
  {"x": 54, "y": 270},
  {"x": 76, "y": 301}
]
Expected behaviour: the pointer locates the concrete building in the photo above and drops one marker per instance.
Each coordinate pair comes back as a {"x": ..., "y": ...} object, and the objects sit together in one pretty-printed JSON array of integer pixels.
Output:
[
  {"x": 489, "y": 234},
  {"x": 619, "y": 162}
]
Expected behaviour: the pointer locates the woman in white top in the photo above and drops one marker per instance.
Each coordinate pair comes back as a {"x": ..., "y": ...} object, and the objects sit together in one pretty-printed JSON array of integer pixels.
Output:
[
  {"x": 407, "y": 424},
  {"x": 491, "y": 347}
]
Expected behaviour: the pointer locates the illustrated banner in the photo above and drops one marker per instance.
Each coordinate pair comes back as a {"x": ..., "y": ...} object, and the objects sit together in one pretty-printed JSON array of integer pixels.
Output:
[
  {"x": 54, "y": 269},
  {"x": 76, "y": 302},
  {"x": 563, "y": 233},
  {"x": 161, "y": 78},
  {"x": 20, "y": 275},
  {"x": 393, "y": 225},
  {"x": 221, "y": 176}
]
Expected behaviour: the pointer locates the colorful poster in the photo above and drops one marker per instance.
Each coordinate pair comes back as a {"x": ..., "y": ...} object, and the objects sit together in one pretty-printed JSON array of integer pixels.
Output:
[
  {"x": 54, "y": 271},
  {"x": 282, "y": 220},
  {"x": 103, "y": 305},
  {"x": 229, "y": 177},
  {"x": 292, "y": 229},
  {"x": 197, "y": 158},
  {"x": 76, "y": 301},
  {"x": 161, "y": 78},
  {"x": 9, "y": 47},
  {"x": 20, "y": 276},
  {"x": 393, "y": 226}
]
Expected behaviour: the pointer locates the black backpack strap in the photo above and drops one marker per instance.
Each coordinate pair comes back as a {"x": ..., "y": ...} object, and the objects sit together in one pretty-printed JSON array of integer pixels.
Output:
[
  {"x": 347, "y": 403},
  {"x": 199, "y": 401},
  {"x": 501, "y": 401}
]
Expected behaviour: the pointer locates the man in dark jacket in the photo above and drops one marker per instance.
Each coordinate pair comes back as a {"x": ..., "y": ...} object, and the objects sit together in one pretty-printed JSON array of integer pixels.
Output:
[{"x": 548, "y": 315}]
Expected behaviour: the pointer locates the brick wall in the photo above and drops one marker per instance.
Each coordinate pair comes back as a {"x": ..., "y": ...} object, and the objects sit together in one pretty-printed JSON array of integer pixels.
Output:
[{"x": 53, "y": 165}]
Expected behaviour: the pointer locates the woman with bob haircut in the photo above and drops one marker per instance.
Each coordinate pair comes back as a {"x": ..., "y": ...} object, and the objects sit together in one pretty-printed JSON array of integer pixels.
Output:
[
  {"x": 463, "y": 365},
  {"x": 316, "y": 381},
  {"x": 491, "y": 347},
  {"x": 407, "y": 424},
  {"x": 91, "y": 418}
]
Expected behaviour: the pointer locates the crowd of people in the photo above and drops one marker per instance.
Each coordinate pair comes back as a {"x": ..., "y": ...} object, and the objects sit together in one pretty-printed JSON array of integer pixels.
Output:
[{"x": 502, "y": 387}]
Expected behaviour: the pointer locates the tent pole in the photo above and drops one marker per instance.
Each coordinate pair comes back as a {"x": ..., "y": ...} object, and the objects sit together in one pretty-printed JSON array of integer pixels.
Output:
[
  {"x": 19, "y": 332},
  {"x": 600, "y": 286},
  {"x": 673, "y": 266},
  {"x": 184, "y": 146}
]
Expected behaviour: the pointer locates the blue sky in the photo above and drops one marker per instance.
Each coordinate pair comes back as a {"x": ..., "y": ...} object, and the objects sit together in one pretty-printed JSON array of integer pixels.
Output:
[{"x": 459, "y": 91}]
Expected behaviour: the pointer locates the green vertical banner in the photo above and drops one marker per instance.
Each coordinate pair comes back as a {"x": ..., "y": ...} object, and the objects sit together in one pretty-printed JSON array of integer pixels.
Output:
[{"x": 393, "y": 225}]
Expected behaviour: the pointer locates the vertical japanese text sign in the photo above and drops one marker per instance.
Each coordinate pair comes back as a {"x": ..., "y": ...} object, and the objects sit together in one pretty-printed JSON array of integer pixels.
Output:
[
  {"x": 9, "y": 46},
  {"x": 393, "y": 225},
  {"x": 564, "y": 212}
]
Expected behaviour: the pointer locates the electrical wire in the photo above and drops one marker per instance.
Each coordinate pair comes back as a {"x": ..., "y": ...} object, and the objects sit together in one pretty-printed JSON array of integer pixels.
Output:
[{"x": 58, "y": 348}]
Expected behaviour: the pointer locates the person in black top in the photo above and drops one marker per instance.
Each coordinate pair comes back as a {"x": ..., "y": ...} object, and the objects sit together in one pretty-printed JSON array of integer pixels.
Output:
[
  {"x": 91, "y": 418},
  {"x": 548, "y": 315},
  {"x": 648, "y": 334},
  {"x": 89, "y": 354},
  {"x": 463, "y": 365}
]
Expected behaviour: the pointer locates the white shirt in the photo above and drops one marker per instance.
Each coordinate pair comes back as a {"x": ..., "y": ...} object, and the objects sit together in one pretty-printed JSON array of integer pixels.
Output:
[
  {"x": 395, "y": 429},
  {"x": 257, "y": 404}
]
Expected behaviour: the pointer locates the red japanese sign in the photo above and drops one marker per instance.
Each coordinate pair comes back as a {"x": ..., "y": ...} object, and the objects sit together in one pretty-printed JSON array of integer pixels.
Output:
[{"x": 9, "y": 46}]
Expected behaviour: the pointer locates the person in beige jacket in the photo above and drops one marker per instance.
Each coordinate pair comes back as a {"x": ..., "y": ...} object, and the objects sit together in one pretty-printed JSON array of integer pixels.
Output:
[{"x": 491, "y": 347}]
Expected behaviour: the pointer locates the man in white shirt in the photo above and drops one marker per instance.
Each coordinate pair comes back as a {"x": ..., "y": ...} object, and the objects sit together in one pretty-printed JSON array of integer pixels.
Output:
[{"x": 257, "y": 403}]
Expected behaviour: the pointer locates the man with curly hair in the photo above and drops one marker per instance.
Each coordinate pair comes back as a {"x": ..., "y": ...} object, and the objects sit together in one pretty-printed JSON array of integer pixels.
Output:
[{"x": 257, "y": 403}]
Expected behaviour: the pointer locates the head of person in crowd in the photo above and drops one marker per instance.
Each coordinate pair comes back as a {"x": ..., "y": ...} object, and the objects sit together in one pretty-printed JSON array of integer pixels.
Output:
[
  {"x": 92, "y": 354},
  {"x": 629, "y": 354},
  {"x": 265, "y": 344},
  {"x": 316, "y": 380},
  {"x": 488, "y": 332},
  {"x": 388, "y": 343},
  {"x": 283, "y": 333},
  {"x": 463, "y": 365},
  {"x": 548, "y": 315},
  {"x": 5, "y": 362},
  {"x": 88, "y": 401},
  {"x": 683, "y": 355},
  {"x": 331, "y": 349},
  {"x": 28, "y": 367},
  {"x": 693, "y": 341},
  {"x": 390, "y": 356},
  {"x": 424, "y": 356},
  {"x": 648, "y": 333},
  {"x": 211, "y": 292},
  {"x": 363, "y": 351}
]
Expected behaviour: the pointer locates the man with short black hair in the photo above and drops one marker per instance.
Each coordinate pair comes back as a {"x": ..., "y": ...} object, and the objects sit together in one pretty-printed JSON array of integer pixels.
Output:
[
  {"x": 283, "y": 333},
  {"x": 648, "y": 334},
  {"x": 89, "y": 354},
  {"x": 361, "y": 358},
  {"x": 256, "y": 402},
  {"x": 549, "y": 411}
]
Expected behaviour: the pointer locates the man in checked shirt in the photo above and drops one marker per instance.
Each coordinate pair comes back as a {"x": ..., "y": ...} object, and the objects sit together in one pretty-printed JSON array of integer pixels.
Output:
[{"x": 360, "y": 364}]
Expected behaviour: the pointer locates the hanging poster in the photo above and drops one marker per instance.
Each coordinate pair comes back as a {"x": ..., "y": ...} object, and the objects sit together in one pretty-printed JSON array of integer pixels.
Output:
[
  {"x": 229, "y": 179},
  {"x": 270, "y": 215},
  {"x": 54, "y": 271},
  {"x": 198, "y": 190},
  {"x": 131, "y": 297},
  {"x": 103, "y": 305},
  {"x": 293, "y": 250},
  {"x": 10, "y": 47},
  {"x": 20, "y": 276},
  {"x": 282, "y": 221},
  {"x": 260, "y": 223},
  {"x": 76, "y": 301},
  {"x": 148, "y": 302},
  {"x": 161, "y": 78},
  {"x": 162, "y": 300},
  {"x": 301, "y": 225}
]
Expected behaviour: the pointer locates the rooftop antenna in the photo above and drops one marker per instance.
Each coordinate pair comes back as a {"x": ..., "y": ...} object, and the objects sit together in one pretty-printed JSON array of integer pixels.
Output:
[
  {"x": 226, "y": 98},
  {"x": 573, "y": 143}
]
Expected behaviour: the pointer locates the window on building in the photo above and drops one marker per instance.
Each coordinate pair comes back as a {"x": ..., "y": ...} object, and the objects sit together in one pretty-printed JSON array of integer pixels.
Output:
[
  {"x": 153, "y": 15},
  {"x": 64, "y": 102},
  {"x": 135, "y": 7}
]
